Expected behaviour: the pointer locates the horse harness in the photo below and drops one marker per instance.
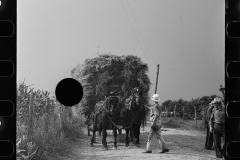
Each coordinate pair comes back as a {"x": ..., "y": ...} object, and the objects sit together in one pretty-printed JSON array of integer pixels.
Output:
[
  {"x": 110, "y": 118},
  {"x": 108, "y": 112}
]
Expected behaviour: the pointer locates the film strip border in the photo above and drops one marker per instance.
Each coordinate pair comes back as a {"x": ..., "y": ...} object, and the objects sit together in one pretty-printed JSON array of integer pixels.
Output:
[
  {"x": 232, "y": 78},
  {"x": 8, "y": 25}
]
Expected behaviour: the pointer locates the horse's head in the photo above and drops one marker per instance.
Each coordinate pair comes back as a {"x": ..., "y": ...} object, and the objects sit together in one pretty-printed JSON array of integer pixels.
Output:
[
  {"x": 136, "y": 93},
  {"x": 112, "y": 102}
]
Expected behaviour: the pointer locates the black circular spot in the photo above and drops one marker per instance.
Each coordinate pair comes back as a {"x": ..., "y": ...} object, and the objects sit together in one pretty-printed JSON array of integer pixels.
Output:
[{"x": 69, "y": 92}]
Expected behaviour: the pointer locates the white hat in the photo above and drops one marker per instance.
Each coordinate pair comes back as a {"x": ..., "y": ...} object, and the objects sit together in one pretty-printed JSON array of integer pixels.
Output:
[
  {"x": 155, "y": 98},
  {"x": 216, "y": 100}
]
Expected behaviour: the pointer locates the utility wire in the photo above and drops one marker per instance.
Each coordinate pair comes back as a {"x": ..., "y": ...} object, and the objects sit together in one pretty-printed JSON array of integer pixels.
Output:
[
  {"x": 146, "y": 45},
  {"x": 199, "y": 78},
  {"x": 133, "y": 28},
  {"x": 139, "y": 30}
]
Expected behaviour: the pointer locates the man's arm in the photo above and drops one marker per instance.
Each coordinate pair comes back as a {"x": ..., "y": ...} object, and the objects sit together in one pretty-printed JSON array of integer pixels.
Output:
[
  {"x": 153, "y": 115},
  {"x": 211, "y": 121},
  {"x": 160, "y": 110}
]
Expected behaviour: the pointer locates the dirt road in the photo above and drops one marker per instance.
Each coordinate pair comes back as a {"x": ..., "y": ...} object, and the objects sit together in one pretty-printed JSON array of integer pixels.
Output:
[{"x": 183, "y": 145}]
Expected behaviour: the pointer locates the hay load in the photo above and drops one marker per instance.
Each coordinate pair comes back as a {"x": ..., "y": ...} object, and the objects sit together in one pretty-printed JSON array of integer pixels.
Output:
[{"x": 110, "y": 73}]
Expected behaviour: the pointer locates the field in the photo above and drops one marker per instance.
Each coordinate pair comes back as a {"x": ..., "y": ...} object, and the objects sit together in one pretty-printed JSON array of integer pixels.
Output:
[{"x": 45, "y": 128}]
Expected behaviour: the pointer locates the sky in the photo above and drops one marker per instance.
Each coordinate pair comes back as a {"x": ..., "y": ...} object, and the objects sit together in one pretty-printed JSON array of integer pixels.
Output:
[{"x": 185, "y": 37}]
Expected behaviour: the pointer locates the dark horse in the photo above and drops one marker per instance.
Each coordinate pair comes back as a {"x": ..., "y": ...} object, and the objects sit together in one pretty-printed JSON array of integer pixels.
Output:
[
  {"x": 106, "y": 117},
  {"x": 134, "y": 114}
]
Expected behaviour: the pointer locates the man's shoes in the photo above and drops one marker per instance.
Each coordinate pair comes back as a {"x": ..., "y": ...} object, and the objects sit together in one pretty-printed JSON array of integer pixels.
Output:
[
  {"x": 147, "y": 152},
  {"x": 164, "y": 151}
]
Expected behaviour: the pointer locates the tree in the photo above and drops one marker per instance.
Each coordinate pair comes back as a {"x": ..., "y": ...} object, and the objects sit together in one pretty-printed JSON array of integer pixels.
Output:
[
  {"x": 168, "y": 105},
  {"x": 205, "y": 100},
  {"x": 181, "y": 105}
]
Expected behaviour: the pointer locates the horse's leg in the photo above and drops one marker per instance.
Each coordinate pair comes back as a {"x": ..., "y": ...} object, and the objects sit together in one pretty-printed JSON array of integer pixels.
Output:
[
  {"x": 127, "y": 138},
  {"x": 88, "y": 130},
  {"x": 131, "y": 134},
  {"x": 137, "y": 134},
  {"x": 93, "y": 136},
  {"x": 115, "y": 137},
  {"x": 134, "y": 135},
  {"x": 119, "y": 131},
  {"x": 104, "y": 137}
]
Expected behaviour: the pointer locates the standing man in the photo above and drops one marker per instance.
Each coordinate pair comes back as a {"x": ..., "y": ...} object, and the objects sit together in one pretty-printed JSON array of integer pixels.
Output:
[
  {"x": 209, "y": 136},
  {"x": 217, "y": 127},
  {"x": 156, "y": 124}
]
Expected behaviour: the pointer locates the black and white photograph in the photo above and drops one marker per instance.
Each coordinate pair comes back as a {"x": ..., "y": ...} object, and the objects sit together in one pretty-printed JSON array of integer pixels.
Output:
[{"x": 120, "y": 79}]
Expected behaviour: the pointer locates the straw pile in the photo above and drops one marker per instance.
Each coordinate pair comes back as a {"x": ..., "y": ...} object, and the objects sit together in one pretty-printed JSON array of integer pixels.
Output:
[{"x": 107, "y": 73}]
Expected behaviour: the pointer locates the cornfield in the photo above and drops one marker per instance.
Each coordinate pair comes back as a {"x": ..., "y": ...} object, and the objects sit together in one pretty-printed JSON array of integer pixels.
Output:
[{"x": 44, "y": 127}]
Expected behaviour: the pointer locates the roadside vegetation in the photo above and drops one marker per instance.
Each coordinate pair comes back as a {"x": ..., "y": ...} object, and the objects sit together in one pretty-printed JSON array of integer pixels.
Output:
[{"x": 51, "y": 129}]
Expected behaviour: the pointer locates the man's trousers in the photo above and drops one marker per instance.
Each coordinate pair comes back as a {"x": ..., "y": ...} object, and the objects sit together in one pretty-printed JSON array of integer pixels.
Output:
[
  {"x": 209, "y": 140},
  {"x": 219, "y": 132},
  {"x": 159, "y": 137}
]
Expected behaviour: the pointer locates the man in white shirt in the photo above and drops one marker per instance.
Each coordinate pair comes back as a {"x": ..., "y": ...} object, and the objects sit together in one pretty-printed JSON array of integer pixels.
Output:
[{"x": 156, "y": 125}]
